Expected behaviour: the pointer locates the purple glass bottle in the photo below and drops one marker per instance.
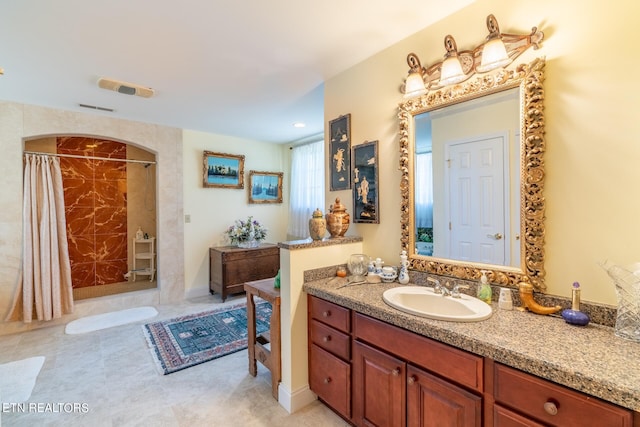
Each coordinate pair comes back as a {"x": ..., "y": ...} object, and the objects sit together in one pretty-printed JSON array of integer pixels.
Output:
[{"x": 574, "y": 316}]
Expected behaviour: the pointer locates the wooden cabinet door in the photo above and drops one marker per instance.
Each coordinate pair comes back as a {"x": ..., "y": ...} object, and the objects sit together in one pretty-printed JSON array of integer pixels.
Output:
[
  {"x": 379, "y": 397},
  {"x": 434, "y": 402}
]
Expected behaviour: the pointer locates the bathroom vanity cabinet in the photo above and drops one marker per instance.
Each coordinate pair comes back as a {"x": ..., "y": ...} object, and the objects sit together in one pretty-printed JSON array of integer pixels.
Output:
[
  {"x": 230, "y": 267},
  {"x": 400, "y": 374},
  {"x": 377, "y": 374}
]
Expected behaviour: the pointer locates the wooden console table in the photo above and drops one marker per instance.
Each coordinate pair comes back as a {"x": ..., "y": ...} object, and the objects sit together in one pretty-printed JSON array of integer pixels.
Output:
[
  {"x": 269, "y": 357},
  {"x": 230, "y": 267}
]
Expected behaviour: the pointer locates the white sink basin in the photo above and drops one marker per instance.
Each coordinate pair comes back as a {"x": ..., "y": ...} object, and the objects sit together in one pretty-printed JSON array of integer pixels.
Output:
[{"x": 422, "y": 301}]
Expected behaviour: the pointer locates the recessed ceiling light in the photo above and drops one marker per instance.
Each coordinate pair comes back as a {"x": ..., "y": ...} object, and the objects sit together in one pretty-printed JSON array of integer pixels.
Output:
[{"x": 298, "y": 125}]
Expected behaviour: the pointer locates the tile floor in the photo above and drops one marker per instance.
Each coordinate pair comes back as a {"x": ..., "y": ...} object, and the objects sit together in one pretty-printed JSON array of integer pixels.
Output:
[{"x": 113, "y": 373}]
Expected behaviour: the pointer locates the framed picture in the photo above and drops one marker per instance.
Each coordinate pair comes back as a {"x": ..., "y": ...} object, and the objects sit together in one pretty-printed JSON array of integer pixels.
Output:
[
  {"x": 223, "y": 170},
  {"x": 340, "y": 153},
  {"x": 365, "y": 183},
  {"x": 265, "y": 187}
]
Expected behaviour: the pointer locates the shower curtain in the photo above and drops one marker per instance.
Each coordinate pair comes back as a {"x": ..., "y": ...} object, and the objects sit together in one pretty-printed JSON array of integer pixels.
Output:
[{"x": 46, "y": 271}]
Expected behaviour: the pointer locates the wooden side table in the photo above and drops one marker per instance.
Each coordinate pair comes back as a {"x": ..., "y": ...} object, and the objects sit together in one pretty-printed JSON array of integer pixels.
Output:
[{"x": 270, "y": 358}]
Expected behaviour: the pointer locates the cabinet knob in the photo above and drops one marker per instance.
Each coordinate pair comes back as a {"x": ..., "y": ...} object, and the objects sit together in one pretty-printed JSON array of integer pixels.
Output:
[
  {"x": 327, "y": 338},
  {"x": 412, "y": 379},
  {"x": 395, "y": 372},
  {"x": 326, "y": 313},
  {"x": 327, "y": 380},
  {"x": 551, "y": 407}
]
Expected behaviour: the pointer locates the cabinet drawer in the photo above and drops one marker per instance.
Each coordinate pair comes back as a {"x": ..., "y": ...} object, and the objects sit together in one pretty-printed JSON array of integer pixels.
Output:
[
  {"x": 239, "y": 254},
  {"x": 330, "y": 339},
  {"x": 245, "y": 270},
  {"x": 503, "y": 417},
  {"x": 457, "y": 365},
  {"x": 329, "y": 378},
  {"x": 538, "y": 398},
  {"x": 330, "y": 314}
]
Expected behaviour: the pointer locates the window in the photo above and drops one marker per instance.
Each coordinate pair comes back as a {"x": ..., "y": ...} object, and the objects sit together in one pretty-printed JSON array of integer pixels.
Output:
[
  {"x": 424, "y": 191},
  {"x": 307, "y": 186}
]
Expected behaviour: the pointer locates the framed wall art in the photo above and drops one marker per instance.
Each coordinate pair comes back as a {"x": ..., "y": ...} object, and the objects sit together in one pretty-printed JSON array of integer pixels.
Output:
[
  {"x": 265, "y": 187},
  {"x": 340, "y": 153},
  {"x": 223, "y": 170},
  {"x": 366, "y": 198}
]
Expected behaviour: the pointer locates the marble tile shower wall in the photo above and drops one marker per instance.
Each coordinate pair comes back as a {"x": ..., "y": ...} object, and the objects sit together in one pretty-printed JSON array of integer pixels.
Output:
[{"x": 95, "y": 193}]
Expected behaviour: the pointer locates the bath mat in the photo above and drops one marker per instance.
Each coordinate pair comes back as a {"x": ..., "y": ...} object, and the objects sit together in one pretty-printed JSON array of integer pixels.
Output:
[
  {"x": 109, "y": 320},
  {"x": 18, "y": 378},
  {"x": 186, "y": 341}
]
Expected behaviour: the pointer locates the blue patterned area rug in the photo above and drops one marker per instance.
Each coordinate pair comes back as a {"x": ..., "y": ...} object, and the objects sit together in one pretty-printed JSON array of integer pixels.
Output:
[{"x": 186, "y": 341}]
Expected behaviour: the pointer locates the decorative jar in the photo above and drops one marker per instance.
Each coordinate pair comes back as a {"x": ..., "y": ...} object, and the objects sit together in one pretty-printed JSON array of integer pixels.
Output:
[
  {"x": 317, "y": 225},
  {"x": 337, "y": 219}
]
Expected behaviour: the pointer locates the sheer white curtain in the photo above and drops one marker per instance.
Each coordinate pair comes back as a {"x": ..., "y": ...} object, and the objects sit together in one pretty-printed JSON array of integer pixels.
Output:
[
  {"x": 307, "y": 186},
  {"x": 46, "y": 270},
  {"x": 424, "y": 190}
]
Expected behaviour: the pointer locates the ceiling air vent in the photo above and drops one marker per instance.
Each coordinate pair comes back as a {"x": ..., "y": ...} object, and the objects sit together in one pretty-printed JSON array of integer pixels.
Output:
[
  {"x": 95, "y": 107},
  {"x": 124, "y": 87}
]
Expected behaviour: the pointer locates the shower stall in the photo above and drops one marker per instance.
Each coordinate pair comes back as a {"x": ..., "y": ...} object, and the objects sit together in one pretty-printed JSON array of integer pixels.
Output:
[{"x": 109, "y": 193}]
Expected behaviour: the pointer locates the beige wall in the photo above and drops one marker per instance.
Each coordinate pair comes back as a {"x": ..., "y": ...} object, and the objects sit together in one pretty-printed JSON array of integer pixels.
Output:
[
  {"x": 592, "y": 129},
  {"x": 213, "y": 210}
]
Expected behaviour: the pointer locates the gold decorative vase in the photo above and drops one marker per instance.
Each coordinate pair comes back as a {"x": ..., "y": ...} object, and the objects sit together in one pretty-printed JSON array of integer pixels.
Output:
[
  {"x": 317, "y": 225},
  {"x": 337, "y": 219}
]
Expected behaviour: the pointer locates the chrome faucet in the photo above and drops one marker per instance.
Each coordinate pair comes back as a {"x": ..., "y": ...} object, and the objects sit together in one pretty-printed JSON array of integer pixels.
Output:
[
  {"x": 455, "y": 293},
  {"x": 444, "y": 290},
  {"x": 437, "y": 287}
]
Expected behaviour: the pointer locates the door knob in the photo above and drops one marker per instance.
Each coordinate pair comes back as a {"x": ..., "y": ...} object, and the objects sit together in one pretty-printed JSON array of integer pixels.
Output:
[{"x": 496, "y": 236}]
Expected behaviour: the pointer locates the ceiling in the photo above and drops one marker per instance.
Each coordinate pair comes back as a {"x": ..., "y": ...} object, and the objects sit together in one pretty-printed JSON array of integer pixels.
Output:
[{"x": 248, "y": 69}]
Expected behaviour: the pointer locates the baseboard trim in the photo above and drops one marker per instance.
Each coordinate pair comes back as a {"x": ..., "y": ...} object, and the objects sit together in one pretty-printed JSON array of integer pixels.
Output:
[
  {"x": 196, "y": 292},
  {"x": 297, "y": 400}
]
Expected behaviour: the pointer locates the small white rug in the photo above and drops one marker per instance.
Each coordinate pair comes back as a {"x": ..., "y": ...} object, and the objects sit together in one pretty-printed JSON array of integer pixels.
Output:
[
  {"x": 109, "y": 320},
  {"x": 17, "y": 379}
]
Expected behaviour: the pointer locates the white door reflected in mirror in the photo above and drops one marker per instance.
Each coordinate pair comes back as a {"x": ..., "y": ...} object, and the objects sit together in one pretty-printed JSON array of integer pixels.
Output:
[{"x": 467, "y": 181}]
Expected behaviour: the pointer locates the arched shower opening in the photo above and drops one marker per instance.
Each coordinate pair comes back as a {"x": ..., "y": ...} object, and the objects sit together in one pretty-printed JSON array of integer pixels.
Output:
[{"x": 109, "y": 192}]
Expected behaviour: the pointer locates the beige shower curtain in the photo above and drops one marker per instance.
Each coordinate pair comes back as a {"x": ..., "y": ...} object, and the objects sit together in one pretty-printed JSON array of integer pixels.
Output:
[{"x": 46, "y": 270}]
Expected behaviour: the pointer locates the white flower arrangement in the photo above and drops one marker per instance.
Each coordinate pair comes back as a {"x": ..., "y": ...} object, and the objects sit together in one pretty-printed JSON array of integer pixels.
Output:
[{"x": 246, "y": 231}]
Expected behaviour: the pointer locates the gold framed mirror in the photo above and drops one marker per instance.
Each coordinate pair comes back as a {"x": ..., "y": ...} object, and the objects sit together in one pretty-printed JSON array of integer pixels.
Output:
[{"x": 522, "y": 147}]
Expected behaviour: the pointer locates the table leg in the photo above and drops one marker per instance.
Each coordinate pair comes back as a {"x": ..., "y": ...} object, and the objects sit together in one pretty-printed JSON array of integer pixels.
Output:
[
  {"x": 274, "y": 325},
  {"x": 251, "y": 339}
]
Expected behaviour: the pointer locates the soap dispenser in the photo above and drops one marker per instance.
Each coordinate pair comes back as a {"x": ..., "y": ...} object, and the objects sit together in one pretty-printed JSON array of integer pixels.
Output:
[
  {"x": 574, "y": 316},
  {"x": 484, "y": 288}
]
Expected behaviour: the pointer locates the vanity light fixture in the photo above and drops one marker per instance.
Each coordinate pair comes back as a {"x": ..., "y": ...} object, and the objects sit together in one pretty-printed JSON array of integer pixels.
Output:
[
  {"x": 414, "y": 84},
  {"x": 451, "y": 70},
  {"x": 497, "y": 51},
  {"x": 494, "y": 52}
]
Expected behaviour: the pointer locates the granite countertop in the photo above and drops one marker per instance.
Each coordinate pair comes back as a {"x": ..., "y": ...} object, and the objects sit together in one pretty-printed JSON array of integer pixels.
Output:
[{"x": 589, "y": 359}]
